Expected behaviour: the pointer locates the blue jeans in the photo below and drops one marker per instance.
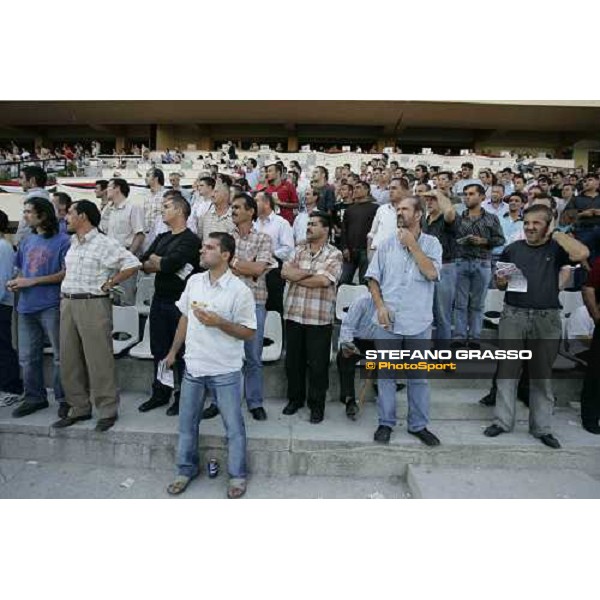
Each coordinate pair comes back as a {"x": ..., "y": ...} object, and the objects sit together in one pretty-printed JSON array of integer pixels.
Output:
[
  {"x": 227, "y": 391},
  {"x": 32, "y": 328},
  {"x": 472, "y": 281},
  {"x": 417, "y": 388},
  {"x": 443, "y": 299},
  {"x": 253, "y": 377}
]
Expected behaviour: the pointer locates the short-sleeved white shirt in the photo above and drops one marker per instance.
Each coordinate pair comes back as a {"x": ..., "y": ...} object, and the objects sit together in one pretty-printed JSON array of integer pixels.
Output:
[{"x": 208, "y": 350}]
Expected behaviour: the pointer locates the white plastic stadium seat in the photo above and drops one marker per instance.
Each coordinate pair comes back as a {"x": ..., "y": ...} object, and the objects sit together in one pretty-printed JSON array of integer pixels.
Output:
[
  {"x": 570, "y": 302},
  {"x": 346, "y": 294},
  {"x": 144, "y": 295},
  {"x": 142, "y": 350},
  {"x": 494, "y": 303},
  {"x": 126, "y": 328},
  {"x": 273, "y": 338}
]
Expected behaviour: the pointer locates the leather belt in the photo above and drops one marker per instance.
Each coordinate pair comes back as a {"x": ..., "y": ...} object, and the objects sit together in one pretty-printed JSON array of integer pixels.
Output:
[{"x": 83, "y": 296}]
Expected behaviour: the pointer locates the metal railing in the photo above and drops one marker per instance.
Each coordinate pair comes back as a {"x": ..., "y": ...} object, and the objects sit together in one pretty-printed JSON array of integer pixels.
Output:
[{"x": 12, "y": 170}]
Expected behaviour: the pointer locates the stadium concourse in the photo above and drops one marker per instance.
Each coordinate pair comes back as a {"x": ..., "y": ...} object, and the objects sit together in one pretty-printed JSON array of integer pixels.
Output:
[{"x": 317, "y": 258}]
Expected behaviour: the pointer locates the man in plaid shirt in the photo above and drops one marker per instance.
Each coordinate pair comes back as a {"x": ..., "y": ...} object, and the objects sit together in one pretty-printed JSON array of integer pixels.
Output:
[
  {"x": 312, "y": 275},
  {"x": 253, "y": 258}
]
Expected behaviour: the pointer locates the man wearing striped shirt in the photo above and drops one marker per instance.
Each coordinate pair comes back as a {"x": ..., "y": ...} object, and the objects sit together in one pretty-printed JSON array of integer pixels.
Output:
[{"x": 95, "y": 264}]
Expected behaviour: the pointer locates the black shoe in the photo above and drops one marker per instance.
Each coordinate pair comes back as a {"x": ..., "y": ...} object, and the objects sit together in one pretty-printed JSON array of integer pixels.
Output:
[
  {"x": 63, "y": 410},
  {"x": 343, "y": 399},
  {"x": 351, "y": 409},
  {"x": 591, "y": 426},
  {"x": 291, "y": 408},
  {"x": 456, "y": 344},
  {"x": 550, "y": 441},
  {"x": 474, "y": 345},
  {"x": 428, "y": 438},
  {"x": 211, "y": 412},
  {"x": 28, "y": 408},
  {"x": 316, "y": 416},
  {"x": 259, "y": 413},
  {"x": 493, "y": 431},
  {"x": 153, "y": 403},
  {"x": 68, "y": 421},
  {"x": 106, "y": 424},
  {"x": 488, "y": 400},
  {"x": 382, "y": 435},
  {"x": 173, "y": 410}
]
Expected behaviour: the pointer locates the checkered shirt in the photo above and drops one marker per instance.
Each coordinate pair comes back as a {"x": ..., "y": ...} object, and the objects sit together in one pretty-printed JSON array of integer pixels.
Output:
[
  {"x": 211, "y": 222},
  {"x": 152, "y": 208},
  {"x": 255, "y": 247},
  {"x": 89, "y": 263},
  {"x": 313, "y": 306}
]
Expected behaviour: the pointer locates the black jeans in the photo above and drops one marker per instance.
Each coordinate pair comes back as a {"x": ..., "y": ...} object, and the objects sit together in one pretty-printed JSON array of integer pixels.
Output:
[
  {"x": 275, "y": 287},
  {"x": 10, "y": 381},
  {"x": 164, "y": 318},
  {"x": 346, "y": 367},
  {"x": 308, "y": 351},
  {"x": 590, "y": 394},
  {"x": 358, "y": 260}
]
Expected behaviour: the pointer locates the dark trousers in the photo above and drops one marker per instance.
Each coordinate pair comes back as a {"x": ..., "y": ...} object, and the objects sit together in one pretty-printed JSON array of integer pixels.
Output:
[
  {"x": 275, "y": 287},
  {"x": 164, "y": 318},
  {"x": 358, "y": 260},
  {"x": 10, "y": 380},
  {"x": 308, "y": 351},
  {"x": 522, "y": 386},
  {"x": 590, "y": 394},
  {"x": 346, "y": 367}
]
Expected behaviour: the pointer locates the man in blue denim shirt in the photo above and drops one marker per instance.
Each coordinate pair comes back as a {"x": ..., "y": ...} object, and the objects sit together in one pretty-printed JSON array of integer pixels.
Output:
[
  {"x": 41, "y": 262},
  {"x": 401, "y": 280}
]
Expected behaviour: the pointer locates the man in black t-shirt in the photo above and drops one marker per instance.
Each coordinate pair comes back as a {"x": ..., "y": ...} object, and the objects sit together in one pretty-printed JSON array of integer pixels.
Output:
[
  {"x": 531, "y": 320},
  {"x": 173, "y": 256}
]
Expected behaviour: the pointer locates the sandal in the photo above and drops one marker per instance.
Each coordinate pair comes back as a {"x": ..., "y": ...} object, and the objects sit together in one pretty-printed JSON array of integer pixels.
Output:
[
  {"x": 179, "y": 485},
  {"x": 236, "y": 490}
]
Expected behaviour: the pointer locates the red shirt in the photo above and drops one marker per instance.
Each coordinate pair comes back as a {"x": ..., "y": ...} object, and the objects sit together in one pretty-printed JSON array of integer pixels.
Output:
[
  {"x": 593, "y": 279},
  {"x": 286, "y": 192}
]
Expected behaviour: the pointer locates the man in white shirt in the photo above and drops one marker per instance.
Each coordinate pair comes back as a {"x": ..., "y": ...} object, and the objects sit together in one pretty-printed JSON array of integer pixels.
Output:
[
  {"x": 301, "y": 220},
  {"x": 175, "y": 181},
  {"x": 252, "y": 173},
  {"x": 205, "y": 188},
  {"x": 496, "y": 204},
  {"x": 379, "y": 187},
  {"x": 217, "y": 316},
  {"x": 282, "y": 238},
  {"x": 385, "y": 221},
  {"x": 466, "y": 170}
]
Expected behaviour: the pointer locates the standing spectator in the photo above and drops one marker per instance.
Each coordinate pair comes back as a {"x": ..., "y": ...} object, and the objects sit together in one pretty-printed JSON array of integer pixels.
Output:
[
  {"x": 312, "y": 276},
  {"x": 125, "y": 225},
  {"x": 175, "y": 181},
  {"x": 487, "y": 179},
  {"x": 356, "y": 226},
  {"x": 155, "y": 180},
  {"x": 33, "y": 180},
  {"x": 531, "y": 320},
  {"x": 202, "y": 203},
  {"x": 401, "y": 280},
  {"x": 590, "y": 394},
  {"x": 477, "y": 233},
  {"x": 319, "y": 182},
  {"x": 282, "y": 191},
  {"x": 441, "y": 223},
  {"x": 301, "y": 220},
  {"x": 511, "y": 222},
  {"x": 252, "y": 173},
  {"x": 282, "y": 238},
  {"x": 11, "y": 386},
  {"x": 587, "y": 205},
  {"x": 379, "y": 190},
  {"x": 217, "y": 316},
  {"x": 253, "y": 258},
  {"x": 496, "y": 205},
  {"x": 95, "y": 263},
  {"x": 62, "y": 202},
  {"x": 173, "y": 256},
  {"x": 507, "y": 177},
  {"x": 466, "y": 171},
  {"x": 218, "y": 216},
  {"x": 41, "y": 264},
  {"x": 385, "y": 221}
]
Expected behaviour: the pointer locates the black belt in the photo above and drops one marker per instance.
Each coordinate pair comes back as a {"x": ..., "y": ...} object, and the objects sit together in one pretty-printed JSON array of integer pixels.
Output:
[{"x": 83, "y": 296}]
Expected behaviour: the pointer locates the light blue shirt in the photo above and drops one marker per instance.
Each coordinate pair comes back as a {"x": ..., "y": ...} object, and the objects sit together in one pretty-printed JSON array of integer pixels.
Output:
[
  {"x": 358, "y": 321},
  {"x": 509, "y": 228},
  {"x": 7, "y": 269},
  {"x": 406, "y": 292}
]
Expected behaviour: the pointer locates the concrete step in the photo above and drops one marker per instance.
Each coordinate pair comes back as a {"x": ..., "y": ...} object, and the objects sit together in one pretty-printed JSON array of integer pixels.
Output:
[
  {"x": 285, "y": 446},
  {"x": 467, "y": 483}
]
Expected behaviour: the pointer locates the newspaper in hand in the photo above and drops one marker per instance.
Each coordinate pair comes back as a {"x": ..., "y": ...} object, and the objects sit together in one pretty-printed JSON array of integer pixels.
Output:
[
  {"x": 517, "y": 282},
  {"x": 165, "y": 375}
]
